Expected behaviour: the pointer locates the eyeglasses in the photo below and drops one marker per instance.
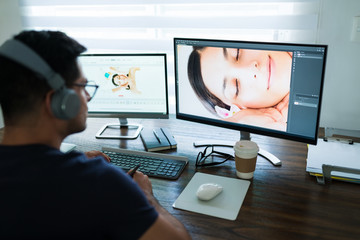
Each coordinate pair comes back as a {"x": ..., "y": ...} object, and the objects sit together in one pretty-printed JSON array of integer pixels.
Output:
[
  {"x": 90, "y": 87},
  {"x": 209, "y": 151}
]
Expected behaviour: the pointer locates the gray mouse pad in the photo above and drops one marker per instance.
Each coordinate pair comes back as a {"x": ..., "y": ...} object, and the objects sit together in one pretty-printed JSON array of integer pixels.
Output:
[{"x": 226, "y": 205}]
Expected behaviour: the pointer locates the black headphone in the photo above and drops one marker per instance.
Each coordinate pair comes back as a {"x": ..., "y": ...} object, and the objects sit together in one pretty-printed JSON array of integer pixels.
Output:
[{"x": 65, "y": 103}]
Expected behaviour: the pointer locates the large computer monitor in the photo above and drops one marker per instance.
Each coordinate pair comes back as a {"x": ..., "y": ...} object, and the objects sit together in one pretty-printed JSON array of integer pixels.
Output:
[
  {"x": 130, "y": 86},
  {"x": 273, "y": 89}
]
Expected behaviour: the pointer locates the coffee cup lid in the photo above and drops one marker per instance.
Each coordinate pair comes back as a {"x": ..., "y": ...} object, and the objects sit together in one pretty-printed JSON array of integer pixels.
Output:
[{"x": 246, "y": 148}]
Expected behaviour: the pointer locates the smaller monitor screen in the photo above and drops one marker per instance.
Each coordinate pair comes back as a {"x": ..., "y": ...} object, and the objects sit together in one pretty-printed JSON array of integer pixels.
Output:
[
  {"x": 266, "y": 88},
  {"x": 130, "y": 85}
]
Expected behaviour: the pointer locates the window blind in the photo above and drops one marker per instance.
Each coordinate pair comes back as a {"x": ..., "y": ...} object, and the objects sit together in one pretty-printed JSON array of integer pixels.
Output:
[{"x": 150, "y": 25}]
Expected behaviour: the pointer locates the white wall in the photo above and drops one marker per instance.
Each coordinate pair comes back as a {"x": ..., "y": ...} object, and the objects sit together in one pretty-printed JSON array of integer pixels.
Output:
[
  {"x": 10, "y": 24},
  {"x": 341, "y": 99}
]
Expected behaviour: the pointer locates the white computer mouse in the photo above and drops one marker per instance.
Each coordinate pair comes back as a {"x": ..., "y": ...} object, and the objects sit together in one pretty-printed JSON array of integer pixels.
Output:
[{"x": 208, "y": 191}]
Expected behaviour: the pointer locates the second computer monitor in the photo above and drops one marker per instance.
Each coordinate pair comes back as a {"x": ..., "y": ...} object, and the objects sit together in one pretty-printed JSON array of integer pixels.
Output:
[{"x": 130, "y": 86}]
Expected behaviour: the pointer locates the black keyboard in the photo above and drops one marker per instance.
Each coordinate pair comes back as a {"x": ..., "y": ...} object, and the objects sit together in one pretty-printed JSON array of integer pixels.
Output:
[{"x": 152, "y": 164}]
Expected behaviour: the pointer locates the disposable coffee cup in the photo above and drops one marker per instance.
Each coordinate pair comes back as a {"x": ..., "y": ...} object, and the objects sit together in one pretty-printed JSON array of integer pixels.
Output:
[{"x": 245, "y": 158}]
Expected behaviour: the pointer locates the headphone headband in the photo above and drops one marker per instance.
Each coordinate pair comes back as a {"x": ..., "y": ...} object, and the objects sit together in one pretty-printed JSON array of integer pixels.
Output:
[{"x": 21, "y": 53}]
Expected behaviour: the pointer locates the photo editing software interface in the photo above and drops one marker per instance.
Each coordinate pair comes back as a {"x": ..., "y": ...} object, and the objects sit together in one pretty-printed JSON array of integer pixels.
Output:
[
  {"x": 130, "y": 85},
  {"x": 273, "y": 89}
]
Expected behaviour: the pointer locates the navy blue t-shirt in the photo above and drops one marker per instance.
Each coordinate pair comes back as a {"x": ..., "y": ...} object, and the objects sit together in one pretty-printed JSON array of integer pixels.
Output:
[{"x": 46, "y": 194}]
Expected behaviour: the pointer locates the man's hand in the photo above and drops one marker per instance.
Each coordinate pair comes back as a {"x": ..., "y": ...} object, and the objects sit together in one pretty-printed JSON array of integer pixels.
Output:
[
  {"x": 144, "y": 183},
  {"x": 94, "y": 153}
]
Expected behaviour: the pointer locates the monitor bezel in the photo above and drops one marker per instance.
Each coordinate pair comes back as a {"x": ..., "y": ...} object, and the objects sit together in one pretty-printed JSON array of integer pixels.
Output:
[
  {"x": 242, "y": 127},
  {"x": 152, "y": 115}
]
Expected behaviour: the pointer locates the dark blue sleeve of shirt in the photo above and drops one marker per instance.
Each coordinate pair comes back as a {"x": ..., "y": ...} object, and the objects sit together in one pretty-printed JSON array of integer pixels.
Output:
[{"x": 126, "y": 213}]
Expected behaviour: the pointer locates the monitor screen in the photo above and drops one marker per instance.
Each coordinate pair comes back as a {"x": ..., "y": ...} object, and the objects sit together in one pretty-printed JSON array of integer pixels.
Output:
[
  {"x": 272, "y": 89},
  {"x": 130, "y": 85}
]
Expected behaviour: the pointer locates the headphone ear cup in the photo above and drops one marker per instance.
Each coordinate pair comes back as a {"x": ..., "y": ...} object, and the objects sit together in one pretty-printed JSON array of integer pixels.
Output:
[{"x": 65, "y": 104}]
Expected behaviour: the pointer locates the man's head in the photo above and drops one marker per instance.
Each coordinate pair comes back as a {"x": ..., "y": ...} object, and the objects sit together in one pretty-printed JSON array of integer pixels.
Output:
[{"x": 22, "y": 90}]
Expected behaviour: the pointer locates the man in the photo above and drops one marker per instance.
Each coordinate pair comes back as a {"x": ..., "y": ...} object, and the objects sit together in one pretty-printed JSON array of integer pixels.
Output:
[{"x": 46, "y": 194}]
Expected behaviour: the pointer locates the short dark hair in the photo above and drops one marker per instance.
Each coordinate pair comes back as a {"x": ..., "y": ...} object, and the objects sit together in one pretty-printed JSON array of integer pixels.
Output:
[
  {"x": 208, "y": 99},
  {"x": 22, "y": 90}
]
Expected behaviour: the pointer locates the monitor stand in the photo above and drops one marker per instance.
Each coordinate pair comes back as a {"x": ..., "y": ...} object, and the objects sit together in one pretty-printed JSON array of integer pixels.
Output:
[
  {"x": 243, "y": 136},
  {"x": 124, "y": 130}
]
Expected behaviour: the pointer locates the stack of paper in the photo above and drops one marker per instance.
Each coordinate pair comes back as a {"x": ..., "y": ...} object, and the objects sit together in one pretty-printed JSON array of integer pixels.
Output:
[{"x": 334, "y": 153}]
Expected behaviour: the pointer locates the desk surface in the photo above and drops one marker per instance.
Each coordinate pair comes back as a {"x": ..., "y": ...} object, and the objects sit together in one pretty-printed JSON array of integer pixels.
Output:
[{"x": 281, "y": 203}]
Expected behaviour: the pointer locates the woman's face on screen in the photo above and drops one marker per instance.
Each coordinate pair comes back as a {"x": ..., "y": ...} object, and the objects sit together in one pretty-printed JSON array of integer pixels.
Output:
[{"x": 246, "y": 78}]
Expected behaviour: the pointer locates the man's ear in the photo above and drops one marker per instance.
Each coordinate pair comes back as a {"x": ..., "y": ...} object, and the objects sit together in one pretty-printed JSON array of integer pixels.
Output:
[{"x": 47, "y": 103}]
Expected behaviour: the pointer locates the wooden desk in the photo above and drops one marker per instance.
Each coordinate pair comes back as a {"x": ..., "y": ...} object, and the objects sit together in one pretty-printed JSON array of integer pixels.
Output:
[{"x": 282, "y": 202}]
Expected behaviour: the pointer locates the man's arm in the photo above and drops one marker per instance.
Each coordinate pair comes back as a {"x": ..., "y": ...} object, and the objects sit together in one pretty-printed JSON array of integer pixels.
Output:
[{"x": 166, "y": 226}]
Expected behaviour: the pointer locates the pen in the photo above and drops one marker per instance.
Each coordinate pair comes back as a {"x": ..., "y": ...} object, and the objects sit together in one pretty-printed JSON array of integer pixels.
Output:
[
  {"x": 156, "y": 135},
  {"x": 132, "y": 172}
]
